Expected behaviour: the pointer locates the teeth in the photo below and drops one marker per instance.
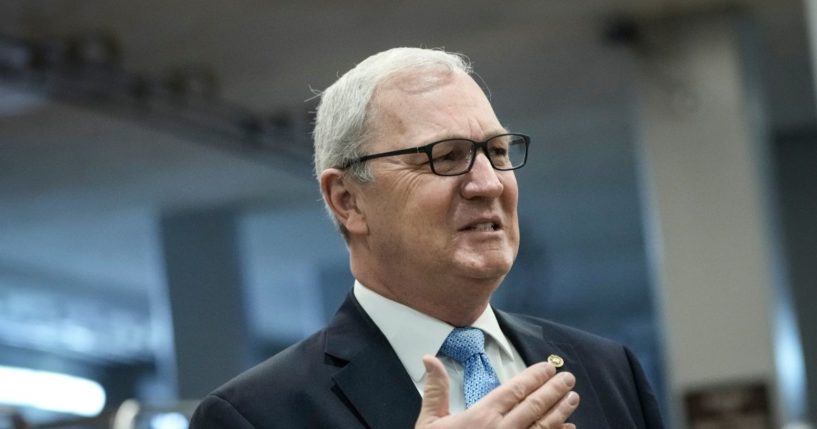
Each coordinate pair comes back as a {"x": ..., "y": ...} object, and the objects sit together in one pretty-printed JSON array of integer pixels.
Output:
[{"x": 483, "y": 227}]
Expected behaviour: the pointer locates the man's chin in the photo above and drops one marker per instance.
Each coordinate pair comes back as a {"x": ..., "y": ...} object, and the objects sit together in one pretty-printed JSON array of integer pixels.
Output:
[{"x": 482, "y": 269}]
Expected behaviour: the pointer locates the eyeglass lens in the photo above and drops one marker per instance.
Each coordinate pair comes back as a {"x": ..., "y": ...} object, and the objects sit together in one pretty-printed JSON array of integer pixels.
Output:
[{"x": 452, "y": 157}]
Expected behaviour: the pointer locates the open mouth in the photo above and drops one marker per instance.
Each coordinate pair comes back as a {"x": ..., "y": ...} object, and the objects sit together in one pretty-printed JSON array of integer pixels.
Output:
[{"x": 483, "y": 227}]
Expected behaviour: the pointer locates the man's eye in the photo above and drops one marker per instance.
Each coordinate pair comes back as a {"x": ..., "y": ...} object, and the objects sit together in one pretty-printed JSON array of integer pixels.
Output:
[
  {"x": 447, "y": 156},
  {"x": 499, "y": 151},
  {"x": 450, "y": 155}
]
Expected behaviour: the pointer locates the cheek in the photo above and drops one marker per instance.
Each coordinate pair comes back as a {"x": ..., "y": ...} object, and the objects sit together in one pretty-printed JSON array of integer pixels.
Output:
[
  {"x": 428, "y": 212},
  {"x": 512, "y": 196},
  {"x": 427, "y": 202},
  {"x": 510, "y": 200},
  {"x": 511, "y": 190}
]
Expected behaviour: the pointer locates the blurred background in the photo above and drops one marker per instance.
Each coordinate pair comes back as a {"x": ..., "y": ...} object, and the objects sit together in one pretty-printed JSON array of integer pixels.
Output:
[{"x": 161, "y": 229}]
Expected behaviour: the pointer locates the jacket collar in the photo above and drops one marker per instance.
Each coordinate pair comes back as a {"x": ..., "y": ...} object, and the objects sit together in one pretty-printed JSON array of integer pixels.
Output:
[
  {"x": 533, "y": 345},
  {"x": 373, "y": 381},
  {"x": 376, "y": 385}
]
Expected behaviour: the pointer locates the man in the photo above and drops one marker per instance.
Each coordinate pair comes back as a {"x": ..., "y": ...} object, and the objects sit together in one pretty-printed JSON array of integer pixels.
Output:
[{"x": 417, "y": 172}]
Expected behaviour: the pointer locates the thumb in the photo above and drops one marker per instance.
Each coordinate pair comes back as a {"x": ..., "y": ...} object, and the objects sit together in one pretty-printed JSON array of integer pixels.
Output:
[{"x": 435, "y": 392}]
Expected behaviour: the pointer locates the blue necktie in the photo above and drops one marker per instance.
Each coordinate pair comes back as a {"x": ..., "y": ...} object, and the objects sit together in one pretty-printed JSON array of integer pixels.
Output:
[{"x": 467, "y": 346}]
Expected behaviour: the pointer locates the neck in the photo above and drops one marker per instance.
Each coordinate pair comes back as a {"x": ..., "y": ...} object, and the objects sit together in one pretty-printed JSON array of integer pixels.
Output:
[
  {"x": 455, "y": 315},
  {"x": 458, "y": 302}
]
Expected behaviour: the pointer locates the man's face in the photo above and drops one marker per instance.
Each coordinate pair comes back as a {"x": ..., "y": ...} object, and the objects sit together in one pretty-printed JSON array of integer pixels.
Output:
[{"x": 423, "y": 229}]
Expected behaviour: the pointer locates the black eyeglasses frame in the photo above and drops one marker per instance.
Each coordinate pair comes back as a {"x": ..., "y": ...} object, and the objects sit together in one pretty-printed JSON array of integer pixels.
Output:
[{"x": 428, "y": 147}]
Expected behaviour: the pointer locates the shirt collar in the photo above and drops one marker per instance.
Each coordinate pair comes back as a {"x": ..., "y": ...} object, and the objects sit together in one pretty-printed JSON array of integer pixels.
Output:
[{"x": 413, "y": 334}]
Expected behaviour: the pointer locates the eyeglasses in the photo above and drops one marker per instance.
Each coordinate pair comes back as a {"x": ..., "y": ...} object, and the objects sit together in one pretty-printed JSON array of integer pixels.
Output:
[{"x": 453, "y": 157}]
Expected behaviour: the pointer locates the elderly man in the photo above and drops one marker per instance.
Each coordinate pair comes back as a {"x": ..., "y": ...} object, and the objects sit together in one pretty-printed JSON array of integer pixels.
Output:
[{"x": 417, "y": 172}]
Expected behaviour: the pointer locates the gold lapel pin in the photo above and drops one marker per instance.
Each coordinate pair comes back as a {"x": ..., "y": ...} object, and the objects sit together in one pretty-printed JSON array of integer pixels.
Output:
[{"x": 556, "y": 361}]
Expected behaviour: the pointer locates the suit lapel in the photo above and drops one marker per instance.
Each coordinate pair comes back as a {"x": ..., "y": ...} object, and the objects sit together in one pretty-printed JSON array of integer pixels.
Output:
[
  {"x": 376, "y": 386},
  {"x": 531, "y": 343},
  {"x": 373, "y": 381}
]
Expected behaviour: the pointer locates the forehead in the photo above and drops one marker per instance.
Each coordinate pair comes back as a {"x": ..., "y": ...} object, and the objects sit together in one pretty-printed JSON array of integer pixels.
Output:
[
  {"x": 420, "y": 80},
  {"x": 431, "y": 104}
]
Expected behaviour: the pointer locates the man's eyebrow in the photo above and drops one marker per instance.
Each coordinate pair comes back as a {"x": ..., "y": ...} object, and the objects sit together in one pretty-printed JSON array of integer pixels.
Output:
[{"x": 492, "y": 133}]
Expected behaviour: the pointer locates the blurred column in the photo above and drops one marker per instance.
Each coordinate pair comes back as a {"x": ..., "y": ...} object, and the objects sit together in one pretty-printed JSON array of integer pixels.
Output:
[
  {"x": 205, "y": 289},
  {"x": 711, "y": 236},
  {"x": 810, "y": 8},
  {"x": 796, "y": 157},
  {"x": 800, "y": 209}
]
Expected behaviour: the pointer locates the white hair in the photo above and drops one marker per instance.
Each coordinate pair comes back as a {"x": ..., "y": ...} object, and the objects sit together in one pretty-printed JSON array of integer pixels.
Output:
[
  {"x": 340, "y": 123},
  {"x": 341, "y": 126}
]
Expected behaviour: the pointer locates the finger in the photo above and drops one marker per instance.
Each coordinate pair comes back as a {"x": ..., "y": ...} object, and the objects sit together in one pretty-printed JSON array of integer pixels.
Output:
[
  {"x": 508, "y": 395},
  {"x": 559, "y": 413},
  {"x": 539, "y": 404},
  {"x": 435, "y": 392}
]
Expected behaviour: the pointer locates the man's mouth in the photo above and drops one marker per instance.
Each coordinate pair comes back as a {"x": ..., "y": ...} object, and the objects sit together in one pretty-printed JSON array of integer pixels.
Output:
[{"x": 483, "y": 227}]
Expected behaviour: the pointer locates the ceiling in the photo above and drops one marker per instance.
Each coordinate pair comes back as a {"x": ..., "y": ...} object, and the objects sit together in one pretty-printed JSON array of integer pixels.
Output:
[{"x": 82, "y": 185}]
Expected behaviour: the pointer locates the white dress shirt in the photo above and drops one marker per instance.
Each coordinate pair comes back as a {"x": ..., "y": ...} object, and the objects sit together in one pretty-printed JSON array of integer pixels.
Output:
[{"x": 413, "y": 334}]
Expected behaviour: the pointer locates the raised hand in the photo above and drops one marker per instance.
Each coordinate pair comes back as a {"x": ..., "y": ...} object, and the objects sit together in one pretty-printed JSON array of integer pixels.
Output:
[{"x": 535, "y": 398}]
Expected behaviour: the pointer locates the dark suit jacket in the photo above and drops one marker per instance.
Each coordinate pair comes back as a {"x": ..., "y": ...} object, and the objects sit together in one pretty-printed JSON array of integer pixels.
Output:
[{"x": 348, "y": 376}]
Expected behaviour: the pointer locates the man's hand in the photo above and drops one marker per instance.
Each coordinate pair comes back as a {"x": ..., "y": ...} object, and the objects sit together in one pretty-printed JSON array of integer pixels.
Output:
[{"x": 536, "y": 398}]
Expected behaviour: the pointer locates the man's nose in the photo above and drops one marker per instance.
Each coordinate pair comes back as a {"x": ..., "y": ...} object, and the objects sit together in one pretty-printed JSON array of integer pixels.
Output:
[{"x": 482, "y": 180}]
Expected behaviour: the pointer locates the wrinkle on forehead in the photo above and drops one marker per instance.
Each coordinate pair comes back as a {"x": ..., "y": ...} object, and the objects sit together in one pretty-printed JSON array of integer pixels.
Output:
[
  {"x": 409, "y": 82},
  {"x": 398, "y": 100},
  {"x": 418, "y": 81}
]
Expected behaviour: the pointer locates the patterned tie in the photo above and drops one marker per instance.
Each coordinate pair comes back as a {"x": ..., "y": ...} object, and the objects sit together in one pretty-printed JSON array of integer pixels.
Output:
[{"x": 467, "y": 346}]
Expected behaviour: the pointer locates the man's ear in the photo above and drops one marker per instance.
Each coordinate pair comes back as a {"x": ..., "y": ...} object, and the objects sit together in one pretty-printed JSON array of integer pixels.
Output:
[{"x": 341, "y": 194}]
